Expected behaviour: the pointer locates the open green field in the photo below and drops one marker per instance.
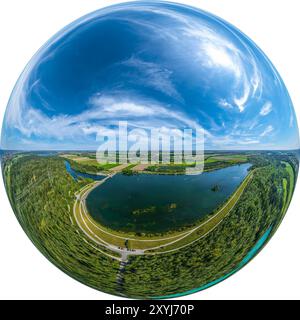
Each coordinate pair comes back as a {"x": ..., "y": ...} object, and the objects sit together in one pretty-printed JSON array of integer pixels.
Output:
[{"x": 232, "y": 157}]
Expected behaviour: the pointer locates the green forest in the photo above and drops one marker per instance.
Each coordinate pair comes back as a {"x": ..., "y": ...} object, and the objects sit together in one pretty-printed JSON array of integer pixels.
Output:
[{"x": 42, "y": 195}]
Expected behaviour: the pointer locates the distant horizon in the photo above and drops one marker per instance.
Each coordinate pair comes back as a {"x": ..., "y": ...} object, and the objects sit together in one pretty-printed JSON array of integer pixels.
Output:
[{"x": 92, "y": 150}]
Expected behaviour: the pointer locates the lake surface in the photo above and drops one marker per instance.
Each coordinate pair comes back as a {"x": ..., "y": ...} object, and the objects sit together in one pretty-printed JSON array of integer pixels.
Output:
[
  {"x": 158, "y": 203},
  {"x": 76, "y": 174}
]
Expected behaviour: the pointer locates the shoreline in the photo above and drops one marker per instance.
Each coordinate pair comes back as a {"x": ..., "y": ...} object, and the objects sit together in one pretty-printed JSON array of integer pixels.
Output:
[
  {"x": 131, "y": 235},
  {"x": 153, "y": 245}
]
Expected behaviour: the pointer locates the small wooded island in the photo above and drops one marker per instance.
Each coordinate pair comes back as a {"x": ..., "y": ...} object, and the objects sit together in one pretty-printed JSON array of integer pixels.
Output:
[{"x": 216, "y": 188}]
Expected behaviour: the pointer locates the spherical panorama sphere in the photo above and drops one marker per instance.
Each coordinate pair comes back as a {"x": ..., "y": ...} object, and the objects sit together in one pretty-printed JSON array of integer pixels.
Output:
[{"x": 150, "y": 150}]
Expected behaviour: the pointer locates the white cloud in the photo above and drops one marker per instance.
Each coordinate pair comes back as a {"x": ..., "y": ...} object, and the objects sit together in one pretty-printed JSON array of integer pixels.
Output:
[
  {"x": 103, "y": 112},
  {"x": 225, "y": 104},
  {"x": 266, "y": 109},
  {"x": 220, "y": 57},
  {"x": 154, "y": 76},
  {"x": 222, "y": 53},
  {"x": 231, "y": 141},
  {"x": 218, "y": 52},
  {"x": 241, "y": 101},
  {"x": 250, "y": 141},
  {"x": 253, "y": 124},
  {"x": 267, "y": 131},
  {"x": 142, "y": 113}
]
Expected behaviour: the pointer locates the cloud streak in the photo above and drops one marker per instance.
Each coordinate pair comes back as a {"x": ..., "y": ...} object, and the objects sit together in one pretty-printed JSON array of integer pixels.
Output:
[
  {"x": 266, "y": 109},
  {"x": 267, "y": 131},
  {"x": 152, "y": 75}
]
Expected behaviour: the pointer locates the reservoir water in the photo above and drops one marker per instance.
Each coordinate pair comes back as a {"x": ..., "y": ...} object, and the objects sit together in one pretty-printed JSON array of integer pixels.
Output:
[
  {"x": 148, "y": 203},
  {"x": 76, "y": 174}
]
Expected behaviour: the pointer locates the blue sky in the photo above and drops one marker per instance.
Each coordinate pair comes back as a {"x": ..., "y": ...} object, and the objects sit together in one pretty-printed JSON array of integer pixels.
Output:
[{"x": 154, "y": 65}]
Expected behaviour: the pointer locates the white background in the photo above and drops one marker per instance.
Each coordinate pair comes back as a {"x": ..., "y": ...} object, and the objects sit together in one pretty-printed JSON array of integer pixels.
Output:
[{"x": 25, "y": 25}]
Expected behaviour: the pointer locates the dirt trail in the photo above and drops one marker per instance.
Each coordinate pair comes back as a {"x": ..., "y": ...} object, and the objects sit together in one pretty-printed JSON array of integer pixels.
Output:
[
  {"x": 120, "y": 275},
  {"x": 119, "y": 168},
  {"x": 140, "y": 167}
]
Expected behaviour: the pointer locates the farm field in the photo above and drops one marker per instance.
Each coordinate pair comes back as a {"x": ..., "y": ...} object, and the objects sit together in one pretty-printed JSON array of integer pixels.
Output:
[{"x": 87, "y": 163}]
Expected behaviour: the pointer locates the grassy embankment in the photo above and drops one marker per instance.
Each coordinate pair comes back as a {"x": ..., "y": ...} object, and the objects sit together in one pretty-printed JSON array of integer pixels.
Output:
[{"x": 211, "y": 222}]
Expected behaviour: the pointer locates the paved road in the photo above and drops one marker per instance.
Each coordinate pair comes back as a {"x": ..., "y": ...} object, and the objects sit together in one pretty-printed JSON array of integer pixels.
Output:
[{"x": 81, "y": 216}]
